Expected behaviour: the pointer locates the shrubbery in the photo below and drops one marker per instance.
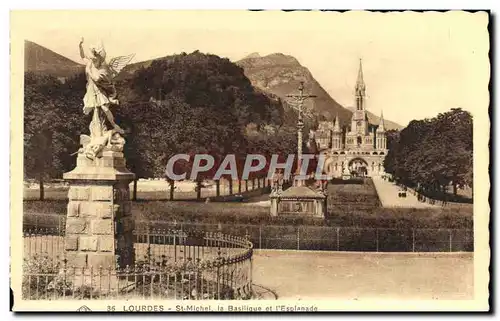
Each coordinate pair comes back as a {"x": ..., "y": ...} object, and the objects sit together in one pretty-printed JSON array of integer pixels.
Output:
[
  {"x": 41, "y": 278},
  {"x": 234, "y": 213}
]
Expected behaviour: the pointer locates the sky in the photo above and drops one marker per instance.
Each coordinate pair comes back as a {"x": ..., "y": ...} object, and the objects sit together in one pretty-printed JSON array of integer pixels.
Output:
[{"x": 415, "y": 65}]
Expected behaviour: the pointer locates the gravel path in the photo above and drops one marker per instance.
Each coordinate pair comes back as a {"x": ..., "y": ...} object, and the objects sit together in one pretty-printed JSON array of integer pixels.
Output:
[
  {"x": 388, "y": 195},
  {"x": 349, "y": 275}
]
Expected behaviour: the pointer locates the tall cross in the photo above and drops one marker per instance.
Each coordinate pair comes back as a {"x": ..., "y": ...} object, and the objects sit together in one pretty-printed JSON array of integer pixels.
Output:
[{"x": 298, "y": 104}]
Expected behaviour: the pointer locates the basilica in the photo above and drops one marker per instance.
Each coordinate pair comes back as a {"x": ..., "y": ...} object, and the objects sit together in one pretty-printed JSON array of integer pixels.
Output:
[{"x": 358, "y": 149}]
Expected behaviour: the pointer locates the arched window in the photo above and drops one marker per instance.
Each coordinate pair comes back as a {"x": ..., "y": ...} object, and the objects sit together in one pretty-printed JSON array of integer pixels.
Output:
[{"x": 360, "y": 140}]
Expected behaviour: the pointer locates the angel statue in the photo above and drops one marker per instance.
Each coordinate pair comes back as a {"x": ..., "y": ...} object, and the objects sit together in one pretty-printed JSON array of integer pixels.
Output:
[{"x": 100, "y": 95}]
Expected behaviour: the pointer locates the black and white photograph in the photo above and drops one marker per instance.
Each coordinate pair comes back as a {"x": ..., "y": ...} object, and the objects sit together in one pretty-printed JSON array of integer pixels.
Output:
[{"x": 249, "y": 161}]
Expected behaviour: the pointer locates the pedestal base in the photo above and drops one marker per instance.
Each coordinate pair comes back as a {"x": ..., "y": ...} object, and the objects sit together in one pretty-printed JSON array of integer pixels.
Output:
[
  {"x": 111, "y": 166},
  {"x": 99, "y": 225}
]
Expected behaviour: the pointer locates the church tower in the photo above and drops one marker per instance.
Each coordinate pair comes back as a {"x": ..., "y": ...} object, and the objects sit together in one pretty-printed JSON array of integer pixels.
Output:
[
  {"x": 337, "y": 135},
  {"x": 359, "y": 117},
  {"x": 357, "y": 150},
  {"x": 381, "y": 135}
]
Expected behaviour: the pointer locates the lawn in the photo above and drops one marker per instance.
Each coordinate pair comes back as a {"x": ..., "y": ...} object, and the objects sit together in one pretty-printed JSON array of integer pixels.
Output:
[
  {"x": 357, "y": 194},
  {"x": 355, "y": 222},
  {"x": 148, "y": 190},
  {"x": 245, "y": 213},
  {"x": 353, "y": 204}
]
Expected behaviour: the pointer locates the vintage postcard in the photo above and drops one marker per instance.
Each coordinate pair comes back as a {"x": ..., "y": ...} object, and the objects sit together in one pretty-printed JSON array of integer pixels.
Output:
[{"x": 241, "y": 161}]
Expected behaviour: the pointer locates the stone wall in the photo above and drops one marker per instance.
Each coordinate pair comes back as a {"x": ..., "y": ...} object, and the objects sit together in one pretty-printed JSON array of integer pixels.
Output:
[{"x": 99, "y": 225}]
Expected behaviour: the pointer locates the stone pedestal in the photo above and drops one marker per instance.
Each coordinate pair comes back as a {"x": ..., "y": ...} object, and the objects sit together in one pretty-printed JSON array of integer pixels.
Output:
[{"x": 99, "y": 226}]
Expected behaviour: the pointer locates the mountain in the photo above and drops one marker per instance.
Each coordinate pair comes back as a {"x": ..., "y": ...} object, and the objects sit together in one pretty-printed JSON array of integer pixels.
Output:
[
  {"x": 41, "y": 60},
  {"x": 276, "y": 75},
  {"x": 281, "y": 74},
  {"x": 129, "y": 70},
  {"x": 253, "y": 55}
]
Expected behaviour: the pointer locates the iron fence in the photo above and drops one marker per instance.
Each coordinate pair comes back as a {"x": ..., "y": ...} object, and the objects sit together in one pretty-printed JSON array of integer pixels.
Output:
[
  {"x": 326, "y": 238},
  {"x": 171, "y": 262},
  {"x": 330, "y": 238}
]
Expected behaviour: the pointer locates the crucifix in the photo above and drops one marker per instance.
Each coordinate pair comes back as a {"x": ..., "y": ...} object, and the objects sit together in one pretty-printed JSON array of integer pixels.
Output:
[{"x": 298, "y": 104}]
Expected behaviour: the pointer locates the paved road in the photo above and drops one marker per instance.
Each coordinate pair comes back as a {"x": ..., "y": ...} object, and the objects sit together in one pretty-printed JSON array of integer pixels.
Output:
[
  {"x": 388, "y": 195},
  {"x": 349, "y": 275}
]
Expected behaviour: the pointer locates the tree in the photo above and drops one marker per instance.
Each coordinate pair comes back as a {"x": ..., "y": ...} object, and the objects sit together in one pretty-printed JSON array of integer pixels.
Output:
[
  {"x": 188, "y": 104},
  {"x": 40, "y": 117},
  {"x": 392, "y": 145},
  {"x": 434, "y": 153},
  {"x": 53, "y": 120}
]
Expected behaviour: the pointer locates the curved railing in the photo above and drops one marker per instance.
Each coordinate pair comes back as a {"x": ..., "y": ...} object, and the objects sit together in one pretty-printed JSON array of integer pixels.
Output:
[{"x": 170, "y": 263}]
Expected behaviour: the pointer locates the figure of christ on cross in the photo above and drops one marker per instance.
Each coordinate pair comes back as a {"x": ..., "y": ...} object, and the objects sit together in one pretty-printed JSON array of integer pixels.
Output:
[{"x": 297, "y": 102}]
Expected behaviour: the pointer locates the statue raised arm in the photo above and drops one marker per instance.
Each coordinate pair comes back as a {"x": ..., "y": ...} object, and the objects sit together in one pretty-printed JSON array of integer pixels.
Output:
[{"x": 101, "y": 94}]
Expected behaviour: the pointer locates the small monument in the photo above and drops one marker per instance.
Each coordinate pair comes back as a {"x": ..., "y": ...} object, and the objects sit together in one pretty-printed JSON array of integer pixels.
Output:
[
  {"x": 346, "y": 175},
  {"x": 299, "y": 199},
  {"x": 99, "y": 224}
]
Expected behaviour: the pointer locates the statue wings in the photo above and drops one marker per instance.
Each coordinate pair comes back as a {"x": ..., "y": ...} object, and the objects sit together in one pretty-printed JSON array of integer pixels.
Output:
[{"x": 118, "y": 63}]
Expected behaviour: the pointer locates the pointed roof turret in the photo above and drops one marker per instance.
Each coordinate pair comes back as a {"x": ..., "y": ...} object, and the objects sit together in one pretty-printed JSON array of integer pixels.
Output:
[
  {"x": 381, "y": 126},
  {"x": 360, "y": 82},
  {"x": 336, "y": 128}
]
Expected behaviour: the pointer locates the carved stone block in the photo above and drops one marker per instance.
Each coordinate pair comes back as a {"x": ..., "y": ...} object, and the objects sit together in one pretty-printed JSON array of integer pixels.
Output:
[
  {"x": 106, "y": 243},
  {"x": 71, "y": 243},
  {"x": 73, "y": 209},
  {"x": 97, "y": 260},
  {"x": 78, "y": 193},
  {"x": 107, "y": 210},
  {"x": 76, "y": 259},
  {"x": 102, "y": 193},
  {"x": 101, "y": 227},
  {"x": 88, "y": 243},
  {"x": 76, "y": 225}
]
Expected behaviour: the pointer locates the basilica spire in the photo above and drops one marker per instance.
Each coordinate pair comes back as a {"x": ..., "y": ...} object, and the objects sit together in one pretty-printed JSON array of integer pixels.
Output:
[
  {"x": 360, "y": 90},
  {"x": 360, "y": 83},
  {"x": 336, "y": 128},
  {"x": 381, "y": 125}
]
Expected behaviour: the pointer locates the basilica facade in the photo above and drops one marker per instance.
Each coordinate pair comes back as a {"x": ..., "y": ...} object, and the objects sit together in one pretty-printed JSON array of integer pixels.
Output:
[{"x": 358, "y": 149}]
